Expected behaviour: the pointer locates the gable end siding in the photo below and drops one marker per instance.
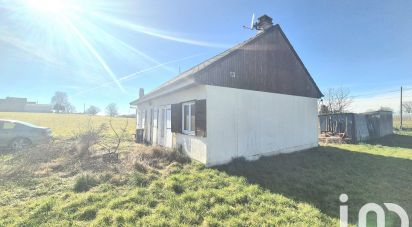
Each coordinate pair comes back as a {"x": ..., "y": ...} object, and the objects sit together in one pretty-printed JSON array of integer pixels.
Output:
[{"x": 268, "y": 63}]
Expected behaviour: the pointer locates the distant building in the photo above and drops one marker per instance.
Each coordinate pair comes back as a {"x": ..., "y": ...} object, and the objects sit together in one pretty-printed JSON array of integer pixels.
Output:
[{"x": 13, "y": 104}]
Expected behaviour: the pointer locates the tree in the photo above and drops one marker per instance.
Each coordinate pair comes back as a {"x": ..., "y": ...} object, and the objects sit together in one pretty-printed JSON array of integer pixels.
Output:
[
  {"x": 60, "y": 103},
  {"x": 337, "y": 100},
  {"x": 93, "y": 110},
  {"x": 111, "y": 110},
  {"x": 323, "y": 109},
  {"x": 70, "y": 108},
  {"x": 407, "y": 106}
]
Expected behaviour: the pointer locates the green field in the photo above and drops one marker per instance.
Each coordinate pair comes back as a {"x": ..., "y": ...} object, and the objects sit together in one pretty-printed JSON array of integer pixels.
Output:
[
  {"x": 65, "y": 125},
  {"x": 150, "y": 186}
]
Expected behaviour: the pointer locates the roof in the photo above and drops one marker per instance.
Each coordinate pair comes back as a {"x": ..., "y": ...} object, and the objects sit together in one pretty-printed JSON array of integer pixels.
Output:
[
  {"x": 200, "y": 66},
  {"x": 188, "y": 73}
]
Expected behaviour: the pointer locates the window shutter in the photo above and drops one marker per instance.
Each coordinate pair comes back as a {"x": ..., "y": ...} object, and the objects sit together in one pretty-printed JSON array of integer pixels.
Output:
[
  {"x": 176, "y": 117},
  {"x": 200, "y": 118}
]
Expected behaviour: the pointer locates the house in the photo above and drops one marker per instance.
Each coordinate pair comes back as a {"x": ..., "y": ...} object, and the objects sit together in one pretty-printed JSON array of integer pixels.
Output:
[
  {"x": 252, "y": 100},
  {"x": 358, "y": 127},
  {"x": 13, "y": 104}
]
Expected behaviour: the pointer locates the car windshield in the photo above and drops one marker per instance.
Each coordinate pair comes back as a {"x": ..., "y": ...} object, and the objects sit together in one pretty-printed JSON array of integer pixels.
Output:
[
  {"x": 21, "y": 123},
  {"x": 26, "y": 124}
]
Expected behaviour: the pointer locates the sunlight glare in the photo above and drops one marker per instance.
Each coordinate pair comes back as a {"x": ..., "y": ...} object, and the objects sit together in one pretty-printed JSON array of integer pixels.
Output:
[{"x": 50, "y": 6}]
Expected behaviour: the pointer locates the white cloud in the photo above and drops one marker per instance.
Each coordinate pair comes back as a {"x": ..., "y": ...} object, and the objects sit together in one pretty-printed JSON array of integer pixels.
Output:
[{"x": 391, "y": 100}]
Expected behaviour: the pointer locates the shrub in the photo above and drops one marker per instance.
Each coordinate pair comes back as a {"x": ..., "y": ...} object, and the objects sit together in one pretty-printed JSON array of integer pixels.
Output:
[
  {"x": 159, "y": 157},
  {"x": 139, "y": 179},
  {"x": 175, "y": 186},
  {"x": 88, "y": 214},
  {"x": 84, "y": 183},
  {"x": 141, "y": 167}
]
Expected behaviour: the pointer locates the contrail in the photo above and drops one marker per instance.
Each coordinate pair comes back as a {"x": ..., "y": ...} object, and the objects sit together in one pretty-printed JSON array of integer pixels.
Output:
[
  {"x": 151, "y": 32},
  {"x": 135, "y": 74},
  {"x": 30, "y": 49},
  {"x": 129, "y": 47},
  {"x": 94, "y": 52}
]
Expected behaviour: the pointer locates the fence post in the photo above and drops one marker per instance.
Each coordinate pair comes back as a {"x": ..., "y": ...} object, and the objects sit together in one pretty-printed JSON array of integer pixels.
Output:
[{"x": 401, "y": 111}]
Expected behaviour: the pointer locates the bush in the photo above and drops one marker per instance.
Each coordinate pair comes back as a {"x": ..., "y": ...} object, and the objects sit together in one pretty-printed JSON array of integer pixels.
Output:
[
  {"x": 160, "y": 157},
  {"x": 141, "y": 167},
  {"x": 175, "y": 185},
  {"x": 177, "y": 188},
  {"x": 88, "y": 214},
  {"x": 84, "y": 183},
  {"x": 139, "y": 179}
]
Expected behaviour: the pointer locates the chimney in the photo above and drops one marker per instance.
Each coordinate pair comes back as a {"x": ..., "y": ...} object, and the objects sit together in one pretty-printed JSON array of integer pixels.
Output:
[
  {"x": 141, "y": 93},
  {"x": 264, "y": 23}
]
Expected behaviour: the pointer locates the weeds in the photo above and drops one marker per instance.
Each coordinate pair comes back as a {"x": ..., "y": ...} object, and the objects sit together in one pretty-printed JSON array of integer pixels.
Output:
[
  {"x": 84, "y": 183},
  {"x": 158, "y": 158},
  {"x": 139, "y": 179}
]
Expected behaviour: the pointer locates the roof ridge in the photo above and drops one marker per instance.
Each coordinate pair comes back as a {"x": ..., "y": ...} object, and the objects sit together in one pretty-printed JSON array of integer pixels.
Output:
[{"x": 206, "y": 63}]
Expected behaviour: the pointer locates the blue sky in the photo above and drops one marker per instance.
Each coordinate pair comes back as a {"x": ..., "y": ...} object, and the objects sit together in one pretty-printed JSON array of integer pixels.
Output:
[{"x": 103, "y": 51}]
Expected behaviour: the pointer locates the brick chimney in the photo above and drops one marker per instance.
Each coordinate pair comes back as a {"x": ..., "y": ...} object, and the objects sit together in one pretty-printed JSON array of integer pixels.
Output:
[{"x": 264, "y": 23}]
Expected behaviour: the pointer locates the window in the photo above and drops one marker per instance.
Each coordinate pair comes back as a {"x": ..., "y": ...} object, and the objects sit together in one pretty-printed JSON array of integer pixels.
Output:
[
  {"x": 162, "y": 122},
  {"x": 188, "y": 118},
  {"x": 8, "y": 125}
]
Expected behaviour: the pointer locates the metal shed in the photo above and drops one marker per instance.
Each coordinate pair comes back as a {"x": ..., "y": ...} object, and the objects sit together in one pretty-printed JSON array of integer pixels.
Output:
[{"x": 358, "y": 127}]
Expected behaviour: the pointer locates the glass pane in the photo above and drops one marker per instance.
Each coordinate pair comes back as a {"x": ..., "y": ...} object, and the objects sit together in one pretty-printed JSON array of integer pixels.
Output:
[
  {"x": 186, "y": 118},
  {"x": 8, "y": 125},
  {"x": 168, "y": 118},
  {"x": 162, "y": 122},
  {"x": 192, "y": 118}
]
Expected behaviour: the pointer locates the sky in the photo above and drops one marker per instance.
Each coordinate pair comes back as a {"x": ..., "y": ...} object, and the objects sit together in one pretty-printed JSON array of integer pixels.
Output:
[{"x": 103, "y": 51}]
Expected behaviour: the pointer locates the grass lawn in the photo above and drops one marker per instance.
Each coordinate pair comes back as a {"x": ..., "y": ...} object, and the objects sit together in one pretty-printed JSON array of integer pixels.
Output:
[
  {"x": 378, "y": 172},
  {"x": 41, "y": 187},
  {"x": 65, "y": 125}
]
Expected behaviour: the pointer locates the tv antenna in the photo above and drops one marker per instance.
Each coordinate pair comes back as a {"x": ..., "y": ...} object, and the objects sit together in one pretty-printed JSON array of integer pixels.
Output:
[{"x": 253, "y": 24}]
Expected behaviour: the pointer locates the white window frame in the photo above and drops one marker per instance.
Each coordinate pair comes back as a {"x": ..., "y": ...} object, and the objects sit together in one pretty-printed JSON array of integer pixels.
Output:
[{"x": 191, "y": 130}]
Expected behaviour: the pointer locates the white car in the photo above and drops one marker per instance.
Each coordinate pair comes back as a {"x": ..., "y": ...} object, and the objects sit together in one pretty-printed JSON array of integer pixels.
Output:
[{"x": 18, "y": 134}]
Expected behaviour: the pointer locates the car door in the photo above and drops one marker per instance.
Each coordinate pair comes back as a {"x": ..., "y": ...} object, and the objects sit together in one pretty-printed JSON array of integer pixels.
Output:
[
  {"x": 7, "y": 132},
  {"x": 2, "y": 136}
]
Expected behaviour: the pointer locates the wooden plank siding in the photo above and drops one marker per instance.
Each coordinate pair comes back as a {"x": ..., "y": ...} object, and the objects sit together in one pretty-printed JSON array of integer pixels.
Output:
[{"x": 267, "y": 63}]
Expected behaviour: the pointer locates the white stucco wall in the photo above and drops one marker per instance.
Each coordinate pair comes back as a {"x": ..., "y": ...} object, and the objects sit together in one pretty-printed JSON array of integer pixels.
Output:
[
  {"x": 195, "y": 147},
  {"x": 244, "y": 123}
]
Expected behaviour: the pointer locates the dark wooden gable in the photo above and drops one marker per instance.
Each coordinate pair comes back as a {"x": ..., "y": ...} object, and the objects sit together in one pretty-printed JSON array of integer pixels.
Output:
[{"x": 267, "y": 63}]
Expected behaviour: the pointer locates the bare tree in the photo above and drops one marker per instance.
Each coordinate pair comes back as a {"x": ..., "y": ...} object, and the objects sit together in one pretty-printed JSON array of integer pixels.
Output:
[
  {"x": 323, "y": 109},
  {"x": 112, "y": 145},
  {"x": 407, "y": 106},
  {"x": 70, "y": 108},
  {"x": 337, "y": 100},
  {"x": 60, "y": 103},
  {"x": 88, "y": 137},
  {"x": 93, "y": 110},
  {"x": 111, "y": 110}
]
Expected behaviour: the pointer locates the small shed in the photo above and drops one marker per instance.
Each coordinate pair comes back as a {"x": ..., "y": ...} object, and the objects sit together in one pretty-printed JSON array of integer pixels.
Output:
[{"x": 357, "y": 127}]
